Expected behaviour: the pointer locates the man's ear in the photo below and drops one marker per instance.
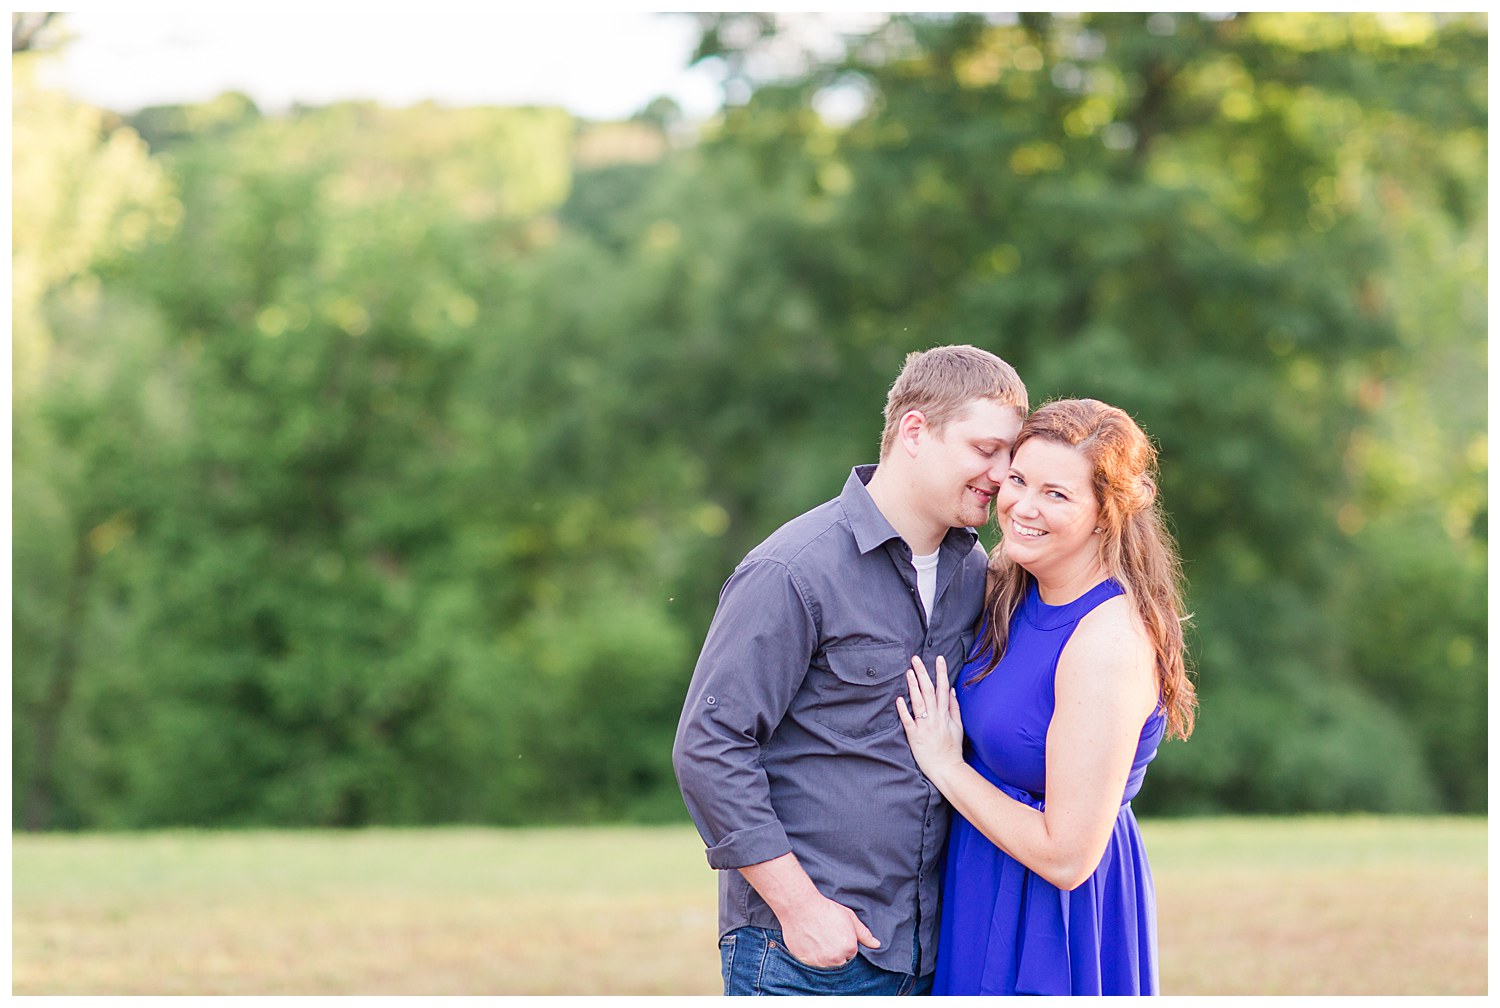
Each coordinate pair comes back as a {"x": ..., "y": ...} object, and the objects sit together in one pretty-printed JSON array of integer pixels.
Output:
[{"x": 909, "y": 430}]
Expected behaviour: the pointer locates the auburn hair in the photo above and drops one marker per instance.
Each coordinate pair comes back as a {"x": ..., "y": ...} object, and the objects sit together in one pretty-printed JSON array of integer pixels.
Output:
[{"x": 1135, "y": 545}]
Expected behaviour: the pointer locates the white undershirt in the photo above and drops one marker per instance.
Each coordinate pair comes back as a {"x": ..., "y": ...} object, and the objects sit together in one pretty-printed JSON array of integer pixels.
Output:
[{"x": 926, "y": 578}]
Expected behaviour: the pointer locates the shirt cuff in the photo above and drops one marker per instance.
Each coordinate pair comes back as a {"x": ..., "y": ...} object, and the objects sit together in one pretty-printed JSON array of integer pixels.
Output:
[{"x": 750, "y": 846}]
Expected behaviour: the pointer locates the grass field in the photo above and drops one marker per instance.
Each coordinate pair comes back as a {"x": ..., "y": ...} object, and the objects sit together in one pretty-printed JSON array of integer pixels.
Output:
[{"x": 1247, "y": 906}]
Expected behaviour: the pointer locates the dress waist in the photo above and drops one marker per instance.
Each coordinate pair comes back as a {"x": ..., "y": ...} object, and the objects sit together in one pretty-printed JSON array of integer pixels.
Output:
[{"x": 1034, "y": 799}]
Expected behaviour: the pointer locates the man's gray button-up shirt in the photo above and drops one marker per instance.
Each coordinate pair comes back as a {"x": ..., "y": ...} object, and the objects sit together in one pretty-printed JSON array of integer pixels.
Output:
[{"x": 789, "y": 738}]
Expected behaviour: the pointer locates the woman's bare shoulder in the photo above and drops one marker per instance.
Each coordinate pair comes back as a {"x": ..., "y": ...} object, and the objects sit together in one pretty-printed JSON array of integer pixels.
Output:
[{"x": 1111, "y": 645}]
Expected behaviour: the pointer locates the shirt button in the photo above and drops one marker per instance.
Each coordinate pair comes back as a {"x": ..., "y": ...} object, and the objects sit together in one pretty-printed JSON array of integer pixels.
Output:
[
  {"x": 870, "y": 672},
  {"x": 710, "y": 701}
]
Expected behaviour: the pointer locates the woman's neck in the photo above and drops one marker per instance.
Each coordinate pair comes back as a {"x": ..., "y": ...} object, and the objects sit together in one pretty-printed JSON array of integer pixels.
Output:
[{"x": 1061, "y": 587}]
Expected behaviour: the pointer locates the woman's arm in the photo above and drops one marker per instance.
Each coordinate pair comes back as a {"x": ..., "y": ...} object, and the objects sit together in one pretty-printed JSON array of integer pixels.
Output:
[{"x": 1105, "y": 689}]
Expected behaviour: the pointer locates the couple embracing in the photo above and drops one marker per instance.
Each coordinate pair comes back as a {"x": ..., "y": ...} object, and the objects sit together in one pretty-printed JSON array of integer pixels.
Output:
[{"x": 870, "y": 667}]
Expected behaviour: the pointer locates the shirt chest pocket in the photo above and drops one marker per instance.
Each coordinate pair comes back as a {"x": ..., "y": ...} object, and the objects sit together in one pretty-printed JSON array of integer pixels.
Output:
[{"x": 857, "y": 695}]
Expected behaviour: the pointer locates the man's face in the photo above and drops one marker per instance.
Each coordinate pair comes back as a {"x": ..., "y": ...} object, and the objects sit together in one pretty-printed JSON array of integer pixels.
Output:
[{"x": 964, "y": 463}]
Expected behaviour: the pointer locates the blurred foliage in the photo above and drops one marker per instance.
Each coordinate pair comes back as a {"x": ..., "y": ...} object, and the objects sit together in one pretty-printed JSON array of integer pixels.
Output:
[{"x": 382, "y": 466}]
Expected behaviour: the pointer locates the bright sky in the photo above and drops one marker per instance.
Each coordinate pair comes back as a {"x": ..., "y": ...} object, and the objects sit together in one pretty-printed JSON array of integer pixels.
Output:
[{"x": 598, "y": 64}]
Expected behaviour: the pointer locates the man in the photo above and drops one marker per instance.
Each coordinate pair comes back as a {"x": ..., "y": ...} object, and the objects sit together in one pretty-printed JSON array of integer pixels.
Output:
[{"x": 789, "y": 751}]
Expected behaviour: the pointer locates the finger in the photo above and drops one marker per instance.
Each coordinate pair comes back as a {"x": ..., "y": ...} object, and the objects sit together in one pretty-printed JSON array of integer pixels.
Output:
[
  {"x": 914, "y": 688},
  {"x": 923, "y": 680},
  {"x": 940, "y": 691},
  {"x": 866, "y": 936},
  {"x": 954, "y": 712},
  {"x": 908, "y": 720}
]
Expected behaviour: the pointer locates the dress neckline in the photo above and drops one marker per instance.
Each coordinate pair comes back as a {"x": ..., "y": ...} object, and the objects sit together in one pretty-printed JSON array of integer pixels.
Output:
[{"x": 1050, "y": 617}]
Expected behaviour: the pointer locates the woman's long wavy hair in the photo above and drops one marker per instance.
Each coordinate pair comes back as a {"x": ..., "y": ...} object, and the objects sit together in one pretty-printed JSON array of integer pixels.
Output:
[{"x": 1135, "y": 546}]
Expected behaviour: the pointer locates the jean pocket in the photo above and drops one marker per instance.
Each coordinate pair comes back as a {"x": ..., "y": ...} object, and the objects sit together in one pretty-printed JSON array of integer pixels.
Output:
[
  {"x": 780, "y": 951},
  {"x": 726, "y": 959}
]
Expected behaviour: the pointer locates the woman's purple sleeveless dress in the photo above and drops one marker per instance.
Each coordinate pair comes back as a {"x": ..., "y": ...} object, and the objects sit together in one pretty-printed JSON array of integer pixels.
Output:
[{"x": 1006, "y": 930}]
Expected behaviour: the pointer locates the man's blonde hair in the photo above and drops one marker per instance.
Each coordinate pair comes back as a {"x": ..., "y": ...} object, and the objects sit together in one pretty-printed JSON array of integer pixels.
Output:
[{"x": 943, "y": 382}]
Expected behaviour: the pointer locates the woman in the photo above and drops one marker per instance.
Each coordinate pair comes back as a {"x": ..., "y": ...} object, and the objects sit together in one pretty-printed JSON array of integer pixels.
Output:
[{"x": 1078, "y": 675}]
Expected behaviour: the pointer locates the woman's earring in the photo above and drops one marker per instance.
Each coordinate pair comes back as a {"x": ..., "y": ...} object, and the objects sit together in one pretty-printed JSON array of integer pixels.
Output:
[{"x": 1097, "y": 530}]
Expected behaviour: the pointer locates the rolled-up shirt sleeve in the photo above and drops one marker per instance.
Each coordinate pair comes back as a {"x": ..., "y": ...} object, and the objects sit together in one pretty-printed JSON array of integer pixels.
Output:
[{"x": 753, "y": 662}]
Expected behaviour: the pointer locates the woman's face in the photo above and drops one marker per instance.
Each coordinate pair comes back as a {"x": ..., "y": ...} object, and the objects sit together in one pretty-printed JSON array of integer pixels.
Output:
[{"x": 1048, "y": 511}]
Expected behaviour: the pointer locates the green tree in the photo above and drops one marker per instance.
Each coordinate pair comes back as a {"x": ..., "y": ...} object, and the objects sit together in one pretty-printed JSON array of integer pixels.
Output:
[
  {"x": 92, "y": 413},
  {"x": 382, "y": 466},
  {"x": 336, "y": 272},
  {"x": 1190, "y": 216}
]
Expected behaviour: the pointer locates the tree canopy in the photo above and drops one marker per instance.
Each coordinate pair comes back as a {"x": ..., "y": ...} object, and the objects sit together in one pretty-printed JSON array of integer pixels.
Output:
[{"x": 383, "y": 466}]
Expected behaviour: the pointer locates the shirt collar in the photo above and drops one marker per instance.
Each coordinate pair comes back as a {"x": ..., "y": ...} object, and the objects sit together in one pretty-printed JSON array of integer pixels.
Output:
[{"x": 869, "y": 526}]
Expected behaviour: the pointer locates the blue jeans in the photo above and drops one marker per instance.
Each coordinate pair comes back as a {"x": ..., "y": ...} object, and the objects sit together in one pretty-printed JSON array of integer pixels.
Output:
[{"x": 755, "y": 961}]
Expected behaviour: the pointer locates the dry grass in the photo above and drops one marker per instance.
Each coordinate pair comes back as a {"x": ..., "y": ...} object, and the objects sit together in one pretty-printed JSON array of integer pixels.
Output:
[
  {"x": 1358, "y": 906},
  {"x": 1340, "y": 906}
]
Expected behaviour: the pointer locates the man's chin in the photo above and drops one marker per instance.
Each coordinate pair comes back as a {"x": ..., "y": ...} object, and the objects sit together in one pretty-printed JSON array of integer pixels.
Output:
[{"x": 974, "y": 519}]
